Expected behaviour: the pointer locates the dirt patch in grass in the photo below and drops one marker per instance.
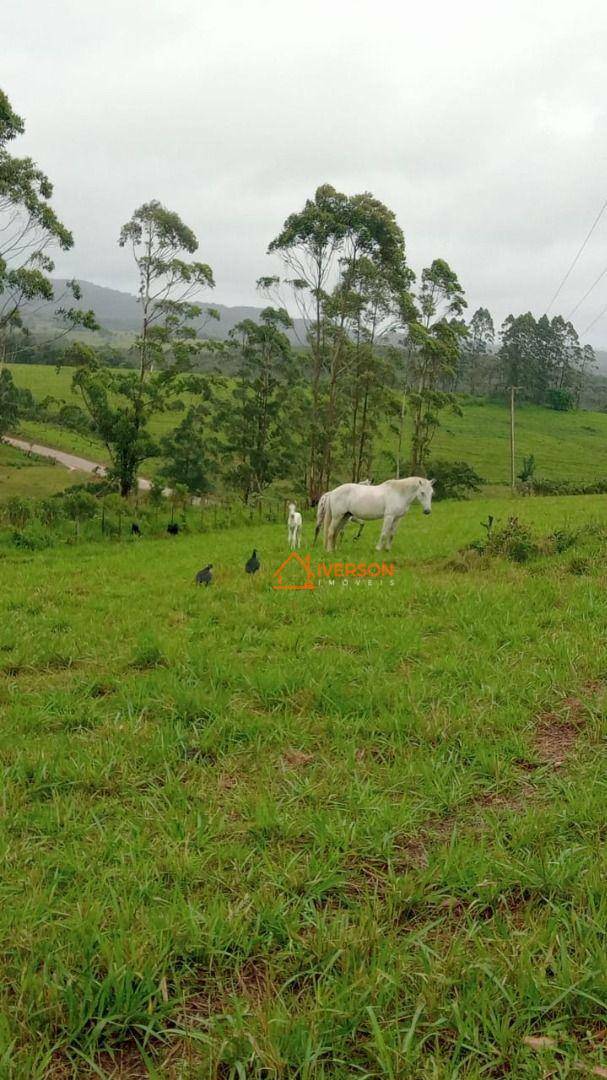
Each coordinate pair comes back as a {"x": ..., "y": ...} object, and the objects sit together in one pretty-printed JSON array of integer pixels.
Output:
[
  {"x": 253, "y": 980},
  {"x": 339, "y": 646},
  {"x": 296, "y": 758},
  {"x": 556, "y": 732},
  {"x": 412, "y": 851},
  {"x": 101, "y": 689},
  {"x": 124, "y": 1063},
  {"x": 226, "y": 781},
  {"x": 554, "y": 739}
]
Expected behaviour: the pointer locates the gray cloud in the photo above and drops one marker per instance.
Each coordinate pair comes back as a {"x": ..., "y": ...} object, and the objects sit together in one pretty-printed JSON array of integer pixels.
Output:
[{"x": 482, "y": 125}]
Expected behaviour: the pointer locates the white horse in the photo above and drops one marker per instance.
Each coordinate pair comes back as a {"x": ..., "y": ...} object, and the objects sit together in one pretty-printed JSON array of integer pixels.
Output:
[
  {"x": 294, "y": 526},
  {"x": 389, "y": 501},
  {"x": 322, "y": 508}
]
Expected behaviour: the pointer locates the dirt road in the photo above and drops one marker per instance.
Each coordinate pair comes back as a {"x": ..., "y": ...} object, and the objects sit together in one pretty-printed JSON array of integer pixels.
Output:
[{"x": 71, "y": 461}]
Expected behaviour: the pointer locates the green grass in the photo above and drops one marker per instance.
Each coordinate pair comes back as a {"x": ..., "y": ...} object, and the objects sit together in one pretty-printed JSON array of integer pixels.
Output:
[
  {"x": 566, "y": 446},
  {"x": 31, "y": 477},
  {"x": 248, "y": 833},
  {"x": 45, "y": 434},
  {"x": 44, "y": 381}
]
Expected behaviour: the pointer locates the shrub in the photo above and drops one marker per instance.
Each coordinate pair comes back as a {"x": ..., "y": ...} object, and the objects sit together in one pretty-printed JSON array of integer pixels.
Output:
[
  {"x": 580, "y": 566},
  {"x": 562, "y": 539},
  {"x": 561, "y": 400},
  {"x": 18, "y": 511},
  {"x": 79, "y": 506},
  {"x": 528, "y": 470},
  {"x": 50, "y": 511},
  {"x": 34, "y": 537},
  {"x": 454, "y": 479},
  {"x": 542, "y": 486},
  {"x": 148, "y": 654},
  {"x": 514, "y": 541}
]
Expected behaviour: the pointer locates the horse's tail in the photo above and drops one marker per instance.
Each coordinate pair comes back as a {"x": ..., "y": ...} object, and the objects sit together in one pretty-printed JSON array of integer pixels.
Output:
[
  {"x": 327, "y": 522},
  {"x": 320, "y": 515}
]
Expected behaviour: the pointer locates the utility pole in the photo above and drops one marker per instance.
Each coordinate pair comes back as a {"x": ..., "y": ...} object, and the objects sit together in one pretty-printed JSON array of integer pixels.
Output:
[{"x": 513, "y": 390}]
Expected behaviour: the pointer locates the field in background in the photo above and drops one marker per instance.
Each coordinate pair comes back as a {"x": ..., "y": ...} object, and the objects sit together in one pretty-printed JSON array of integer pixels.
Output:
[
  {"x": 32, "y": 477},
  {"x": 352, "y": 832},
  {"x": 567, "y": 446},
  {"x": 45, "y": 381}
]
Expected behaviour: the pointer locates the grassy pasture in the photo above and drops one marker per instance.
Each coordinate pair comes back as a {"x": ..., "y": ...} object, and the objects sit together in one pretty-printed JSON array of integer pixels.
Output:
[
  {"x": 44, "y": 381},
  {"x": 357, "y": 832},
  {"x": 567, "y": 446},
  {"x": 31, "y": 477}
]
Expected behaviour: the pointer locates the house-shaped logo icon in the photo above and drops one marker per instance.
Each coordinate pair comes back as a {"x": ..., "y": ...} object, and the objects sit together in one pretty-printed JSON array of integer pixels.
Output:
[{"x": 304, "y": 564}]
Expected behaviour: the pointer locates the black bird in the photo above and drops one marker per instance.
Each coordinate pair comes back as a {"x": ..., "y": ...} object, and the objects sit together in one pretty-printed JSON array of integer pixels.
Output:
[
  {"x": 172, "y": 528},
  {"x": 135, "y": 530},
  {"x": 252, "y": 566},
  {"x": 204, "y": 576}
]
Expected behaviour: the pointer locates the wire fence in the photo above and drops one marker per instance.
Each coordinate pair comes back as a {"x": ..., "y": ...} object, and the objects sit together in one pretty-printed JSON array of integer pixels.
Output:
[
  {"x": 33, "y": 524},
  {"x": 203, "y": 515}
]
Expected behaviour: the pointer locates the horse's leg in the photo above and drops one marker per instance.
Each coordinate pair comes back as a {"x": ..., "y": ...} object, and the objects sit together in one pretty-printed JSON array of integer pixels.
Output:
[
  {"x": 393, "y": 528},
  {"x": 342, "y": 525},
  {"x": 384, "y": 539},
  {"x": 361, "y": 526},
  {"x": 335, "y": 526}
]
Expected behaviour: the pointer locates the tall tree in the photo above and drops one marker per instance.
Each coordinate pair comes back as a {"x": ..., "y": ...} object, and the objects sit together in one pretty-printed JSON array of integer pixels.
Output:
[
  {"x": 517, "y": 351},
  {"x": 435, "y": 337},
  {"x": 9, "y": 402},
  {"x": 191, "y": 449},
  {"x": 29, "y": 229},
  {"x": 254, "y": 418},
  {"x": 588, "y": 362},
  {"x": 321, "y": 248},
  {"x": 120, "y": 403},
  {"x": 476, "y": 352},
  {"x": 544, "y": 358},
  {"x": 374, "y": 309}
]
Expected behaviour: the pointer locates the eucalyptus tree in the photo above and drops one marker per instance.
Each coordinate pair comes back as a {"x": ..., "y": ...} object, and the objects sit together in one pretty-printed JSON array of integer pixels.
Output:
[
  {"x": 9, "y": 402},
  {"x": 435, "y": 334},
  {"x": 121, "y": 403},
  {"x": 544, "y": 358},
  {"x": 377, "y": 307},
  {"x": 29, "y": 230},
  {"x": 255, "y": 416},
  {"x": 321, "y": 248},
  {"x": 476, "y": 355}
]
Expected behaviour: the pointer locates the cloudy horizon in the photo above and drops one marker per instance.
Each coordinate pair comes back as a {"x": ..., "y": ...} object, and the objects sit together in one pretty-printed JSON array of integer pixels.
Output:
[{"x": 484, "y": 130}]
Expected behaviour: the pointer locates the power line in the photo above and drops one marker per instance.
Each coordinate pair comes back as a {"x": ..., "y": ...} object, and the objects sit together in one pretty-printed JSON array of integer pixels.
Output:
[
  {"x": 590, "y": 232},
  {"x": 594, "y": 321},
  {"x": 587, "y": 293}
]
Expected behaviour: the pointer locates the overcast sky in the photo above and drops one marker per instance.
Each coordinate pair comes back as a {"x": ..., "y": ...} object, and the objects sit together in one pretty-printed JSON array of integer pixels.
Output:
[{"x": 482, "y": 125}]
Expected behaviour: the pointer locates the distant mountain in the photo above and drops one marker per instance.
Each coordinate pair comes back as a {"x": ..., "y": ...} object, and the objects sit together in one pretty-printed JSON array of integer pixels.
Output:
[
  {"x": 118, "y": 313},
  {"x": 119, "y": 317}
]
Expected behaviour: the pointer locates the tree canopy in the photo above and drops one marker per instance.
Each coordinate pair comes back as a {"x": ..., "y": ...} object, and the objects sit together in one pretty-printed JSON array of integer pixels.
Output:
[{"x": 29, "y": 229}]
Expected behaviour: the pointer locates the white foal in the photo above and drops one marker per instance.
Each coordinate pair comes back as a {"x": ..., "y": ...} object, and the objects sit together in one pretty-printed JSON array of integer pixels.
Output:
[
  {"x": 389, "y": 501},
  {"x": 294, "y": 523}
]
